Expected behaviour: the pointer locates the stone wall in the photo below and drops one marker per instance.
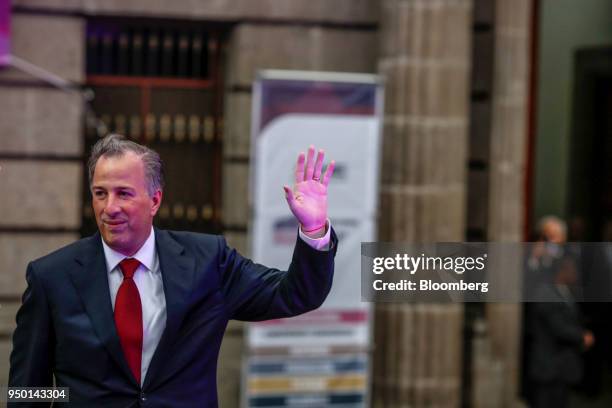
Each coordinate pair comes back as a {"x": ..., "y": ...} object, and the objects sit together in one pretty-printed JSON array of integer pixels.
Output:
[
  {"x": 316, "y": 11},
  {"x": 40, "y": 155}
]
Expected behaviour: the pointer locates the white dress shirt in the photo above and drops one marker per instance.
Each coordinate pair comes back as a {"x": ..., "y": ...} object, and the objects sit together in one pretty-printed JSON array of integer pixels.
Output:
[{"x": 150, "y": 286}]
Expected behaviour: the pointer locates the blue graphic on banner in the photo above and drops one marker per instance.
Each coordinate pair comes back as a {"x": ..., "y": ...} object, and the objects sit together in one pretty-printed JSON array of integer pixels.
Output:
[{"x": 280, "y": 97}]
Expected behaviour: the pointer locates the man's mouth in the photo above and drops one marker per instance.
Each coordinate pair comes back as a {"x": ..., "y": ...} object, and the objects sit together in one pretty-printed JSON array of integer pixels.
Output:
[{"x": 114, "y": 223}]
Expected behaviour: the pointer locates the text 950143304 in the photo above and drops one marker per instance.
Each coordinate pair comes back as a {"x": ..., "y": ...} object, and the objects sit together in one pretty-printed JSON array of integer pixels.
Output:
[{"x": 35, "y": 394}]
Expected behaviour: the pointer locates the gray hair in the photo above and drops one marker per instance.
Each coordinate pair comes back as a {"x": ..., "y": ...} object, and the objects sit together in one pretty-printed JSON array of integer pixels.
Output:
[
  {"x": 115, "y": 145},
  {"x": 548, "y": 219}
]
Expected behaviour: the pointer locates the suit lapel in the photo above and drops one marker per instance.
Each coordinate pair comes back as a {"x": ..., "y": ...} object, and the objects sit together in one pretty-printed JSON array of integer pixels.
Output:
[
  {"x": 91, "y": 281},
  {"x": 178, "y": 274}
]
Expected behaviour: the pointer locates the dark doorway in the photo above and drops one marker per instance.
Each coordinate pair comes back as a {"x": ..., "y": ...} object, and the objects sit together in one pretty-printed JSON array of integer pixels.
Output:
[
  {"x": 590, "y": 189},
  {"x": 590, "y": 205}
]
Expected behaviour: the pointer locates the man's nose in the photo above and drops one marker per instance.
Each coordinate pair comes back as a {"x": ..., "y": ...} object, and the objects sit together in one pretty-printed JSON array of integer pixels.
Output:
[{"x": 112, "y": 208}]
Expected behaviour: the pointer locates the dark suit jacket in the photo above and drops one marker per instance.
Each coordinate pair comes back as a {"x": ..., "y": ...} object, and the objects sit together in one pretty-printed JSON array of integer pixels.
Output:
[
  {"x": 65, "y": 326},
  {"x": 557, "y": 339},
  {"x": 596, "y": 276}
]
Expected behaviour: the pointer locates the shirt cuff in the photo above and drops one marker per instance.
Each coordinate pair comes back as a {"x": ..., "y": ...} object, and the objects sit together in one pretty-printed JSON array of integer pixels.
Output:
[{"x": 320, "y": 244}]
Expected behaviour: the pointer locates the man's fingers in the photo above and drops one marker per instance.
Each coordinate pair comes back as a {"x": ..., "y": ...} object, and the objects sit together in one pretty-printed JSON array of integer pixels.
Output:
[
  {"x": 328, "y": 172},
  {"x": 299, "y": 169},
  {"x": 309, "y": 163},
  {"x": 308, "y": 168},
  {"x": 318, "y": 165}
]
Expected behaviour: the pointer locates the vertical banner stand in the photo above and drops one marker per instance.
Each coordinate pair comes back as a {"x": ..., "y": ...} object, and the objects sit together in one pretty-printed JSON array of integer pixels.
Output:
[{"x": 321, "y": 358}]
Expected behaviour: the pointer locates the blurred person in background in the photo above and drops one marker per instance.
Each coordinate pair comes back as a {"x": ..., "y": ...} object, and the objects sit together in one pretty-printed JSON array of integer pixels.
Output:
[
  {"x": 543, "y": 258},
  {"x": 545, "y": 254},
  {"x": 554, "y": 337},
  {"x": 557, "y": 341}
]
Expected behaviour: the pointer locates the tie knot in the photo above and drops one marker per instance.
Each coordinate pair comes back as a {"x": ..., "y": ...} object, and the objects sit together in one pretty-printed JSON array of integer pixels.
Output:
[{"x": 128, "y": 267}]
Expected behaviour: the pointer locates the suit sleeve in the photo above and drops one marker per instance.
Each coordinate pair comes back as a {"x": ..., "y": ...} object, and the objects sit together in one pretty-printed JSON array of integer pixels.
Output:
[
  {"x": 31, "y": 358},
  {"x": 560, "y": 324},
  {"x": 255, "y": 292}
]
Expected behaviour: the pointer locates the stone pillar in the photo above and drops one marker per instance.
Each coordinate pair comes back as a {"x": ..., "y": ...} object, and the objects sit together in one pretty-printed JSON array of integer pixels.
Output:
[
  {"x": 507, "y": 173},
  {"x": 40, "y": 155},
  {"x": 425, "y": 57}
]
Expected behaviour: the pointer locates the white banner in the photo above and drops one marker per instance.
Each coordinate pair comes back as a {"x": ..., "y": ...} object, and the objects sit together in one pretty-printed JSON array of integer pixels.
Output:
[{"x": 340, "y": 113}]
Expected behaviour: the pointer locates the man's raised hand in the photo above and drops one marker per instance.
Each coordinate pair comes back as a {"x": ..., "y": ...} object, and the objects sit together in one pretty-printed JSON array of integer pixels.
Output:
[{"x": 308, "y": 197}]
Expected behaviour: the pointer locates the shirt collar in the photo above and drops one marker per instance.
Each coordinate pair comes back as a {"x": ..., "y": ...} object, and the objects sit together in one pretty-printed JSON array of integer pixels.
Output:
[{"x": 145, "y": 255}]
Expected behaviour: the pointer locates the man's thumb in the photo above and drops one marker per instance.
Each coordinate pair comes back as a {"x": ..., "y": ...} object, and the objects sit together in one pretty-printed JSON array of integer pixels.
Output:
[{"x": 288, "y": 194}]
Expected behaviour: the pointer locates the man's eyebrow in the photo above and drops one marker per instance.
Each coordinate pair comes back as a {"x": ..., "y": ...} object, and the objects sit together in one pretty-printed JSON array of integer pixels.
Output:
[{"x": 126, "y": 188}]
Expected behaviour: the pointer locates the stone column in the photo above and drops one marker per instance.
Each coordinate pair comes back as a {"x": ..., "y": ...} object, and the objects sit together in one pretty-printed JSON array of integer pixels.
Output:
[
  {"x": 425, "y": 57},
  {"x": 507, "y": 173}
]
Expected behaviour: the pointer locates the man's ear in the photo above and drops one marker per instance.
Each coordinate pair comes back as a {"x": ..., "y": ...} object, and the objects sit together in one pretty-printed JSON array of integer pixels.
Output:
[{"x": 156, "y": 199}]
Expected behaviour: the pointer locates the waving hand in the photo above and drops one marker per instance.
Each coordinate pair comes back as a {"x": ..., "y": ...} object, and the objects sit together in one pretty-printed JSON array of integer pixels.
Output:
[{"x": 308, "y": 197}]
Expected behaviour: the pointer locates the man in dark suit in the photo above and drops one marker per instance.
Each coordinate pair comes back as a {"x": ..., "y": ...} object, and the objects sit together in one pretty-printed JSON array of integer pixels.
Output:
[
  {"x": 557, "y": 340},
  {"x": 133, "y": 315}
]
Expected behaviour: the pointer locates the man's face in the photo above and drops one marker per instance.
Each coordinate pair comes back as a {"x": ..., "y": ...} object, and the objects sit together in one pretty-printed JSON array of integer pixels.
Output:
[
  {"x": 554, "y": 232},
  {"x": 123, "y": 207}
]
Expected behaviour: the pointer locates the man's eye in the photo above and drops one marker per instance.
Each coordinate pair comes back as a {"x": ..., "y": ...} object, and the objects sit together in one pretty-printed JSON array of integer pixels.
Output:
[
  {"x": 124, "y": 194},
  {"x": 99, "y": 194}
]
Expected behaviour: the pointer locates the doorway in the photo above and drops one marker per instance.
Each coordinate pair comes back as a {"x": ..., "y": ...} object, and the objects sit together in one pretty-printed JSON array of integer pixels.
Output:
[{"x": 590, "y": 206}]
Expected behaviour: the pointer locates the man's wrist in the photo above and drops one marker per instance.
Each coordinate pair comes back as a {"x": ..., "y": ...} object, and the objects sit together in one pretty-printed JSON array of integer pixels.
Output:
[{"x": 315, "y": 232}]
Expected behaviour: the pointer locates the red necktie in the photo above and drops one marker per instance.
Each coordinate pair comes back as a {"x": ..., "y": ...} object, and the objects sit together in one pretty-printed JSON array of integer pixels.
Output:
[{"x": 128, "y": 316}]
